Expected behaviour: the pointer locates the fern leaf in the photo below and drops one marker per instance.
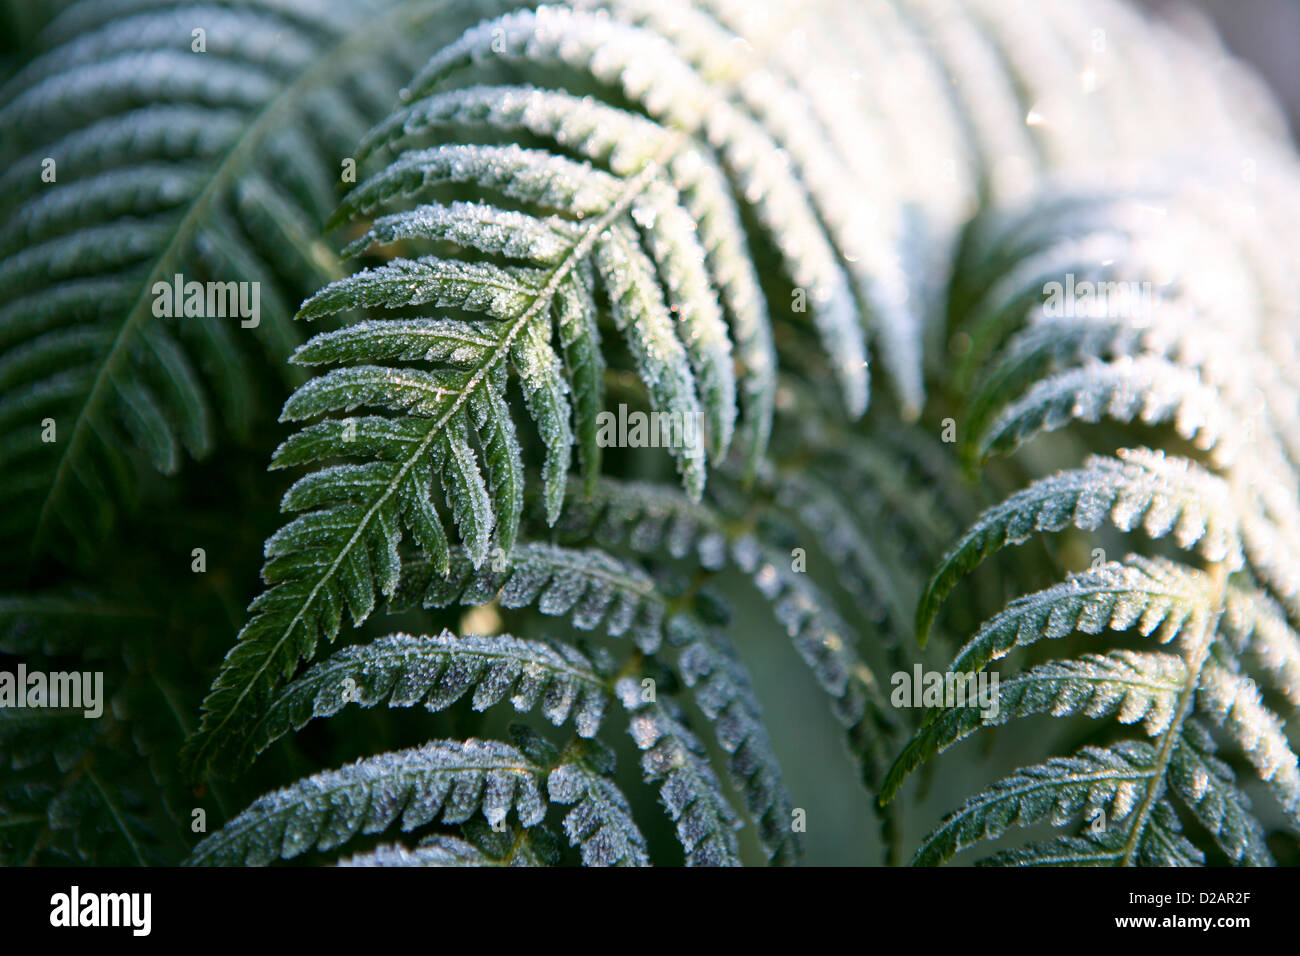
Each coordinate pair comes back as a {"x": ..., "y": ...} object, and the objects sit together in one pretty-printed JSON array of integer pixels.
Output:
[
  {"x": 1154, "y": 596},
  {"x": 1131, "y": 686},
  {"x": 1165, "y": 495},
  {"x": 588, "y": 586},
  {"x": 1150, "y": 390},
  {"x": 600, "y": 823},
  {"x": 1256, "y": 625},
  {"x": 611, "y": 50},
  {"x": 447, "y": 780},
  {"x": 1110, "y": 779},
  {"x": 1218, "y": 362},
  {"x": 1205, "y": 784},
  {"x": 1234, "y": 704},
  {"x": 156, "y": 181},
  {"x": 344, "y": 547},
  {"x": 1161, "y": 844},
  {"x": 690, "y": 793},
  {"x": 624, "y": 141},
  {"x": 436, "y": 671}
]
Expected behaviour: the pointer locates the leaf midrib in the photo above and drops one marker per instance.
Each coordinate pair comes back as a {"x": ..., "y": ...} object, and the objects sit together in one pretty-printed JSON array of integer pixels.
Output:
[{"x": 1195, "y": 661}]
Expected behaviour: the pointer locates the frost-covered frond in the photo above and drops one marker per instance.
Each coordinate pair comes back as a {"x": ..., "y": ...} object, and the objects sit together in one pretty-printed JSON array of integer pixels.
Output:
[
  {"x": 1153, "y": 596},
  {"x": 1162, "y": 495},
  {"x": 615, "y": 216},
  {"x": 1147, "y": 391},
  {"x": 1162, "y": 844},
  {"x": 1233, "y": 702},
  {"x": 476, "y": 784},
  {"x": 444, "y": 780},
  {"x": 1205, "y": 785},
  {"x": 436, "y": 671},
  {"x": 1258, "y": 628},
  {"x": 690, "y": 123},
  {"x": 589, "y": 587},
  {"x": 1089, "y": 275},
  {"x": 1123, "y": 684},
  {"x": 1042, "y": 354},
  {"x": 1210, "y": 623},
  {"x": 600, "y": 823},
  {"x": 1217, "y": 375},
  {"x": 1207, "y": 622},
  {"x": 1106, "y": 779},
  {"x": 673, "y": 758},
  {"x": 158, "y": 145}
]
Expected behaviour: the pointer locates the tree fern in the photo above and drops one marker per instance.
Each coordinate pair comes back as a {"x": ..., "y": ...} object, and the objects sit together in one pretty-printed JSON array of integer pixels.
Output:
[{"x": 716, "y": 215}]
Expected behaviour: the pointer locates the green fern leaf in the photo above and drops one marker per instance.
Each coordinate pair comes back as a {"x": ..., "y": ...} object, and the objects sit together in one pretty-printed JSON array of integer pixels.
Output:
[
  {"x": 722, "y": 690},
  {"x": 153, "y": 181},
  {"x": 600, "y": 823},
  {"x": 436, "y": 671},
  {"x": 589, "y": 587},
  {"x": 448, "y": 780},
  {"x": 688, "y": 789},
  {"x": 1166, "y": 496},
  {"x": 1109, "y": 779}
]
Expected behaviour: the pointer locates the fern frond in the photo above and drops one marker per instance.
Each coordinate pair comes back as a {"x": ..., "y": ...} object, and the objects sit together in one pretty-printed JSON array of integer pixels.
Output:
[
  {"x": 1154, "y": 596},
  {"x": 673, "y": 757},
  {"x": 1205, "y": 784},
  {"x": 1147, "y": 390},
  {"x": 1132, "y": 687},
  {"x": 600, "y": 823},
  {"x": 1256, "y": 625},
  {"x": 155, "y": 179},
  {"x": 1164, "y": 845},
  {"x": 649, "y": 226},
  {"x": 444, "y": 779},
  {"x": 1233, "y": 703},
  {"x": 586, "y": 585},
  {"x": 1220, "y": 365},
  {"x": 1171, "y": 694},
  {"x": 1110, "y": 779},
  {"x": 436, "y": 671},
  {"x": 1165, "y": 496},
  {"x": 611, "y": 49}
]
